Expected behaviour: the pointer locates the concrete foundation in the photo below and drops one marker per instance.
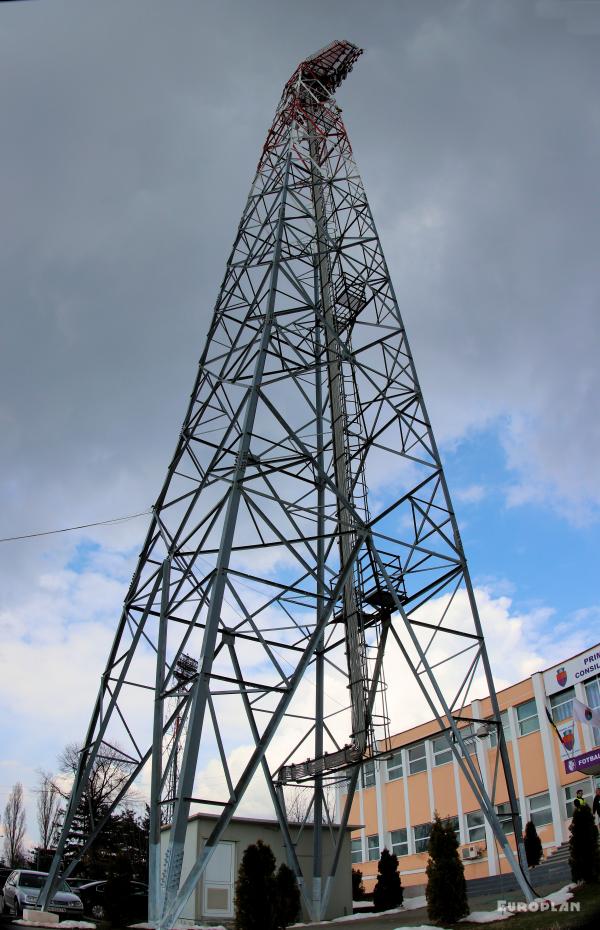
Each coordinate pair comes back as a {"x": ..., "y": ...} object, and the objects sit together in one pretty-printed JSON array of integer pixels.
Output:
[{"x": 39, "y": 917}]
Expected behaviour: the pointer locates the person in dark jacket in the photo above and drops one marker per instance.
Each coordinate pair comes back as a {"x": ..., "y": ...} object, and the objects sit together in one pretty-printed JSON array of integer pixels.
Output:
[{"x": 596, "y": 804}]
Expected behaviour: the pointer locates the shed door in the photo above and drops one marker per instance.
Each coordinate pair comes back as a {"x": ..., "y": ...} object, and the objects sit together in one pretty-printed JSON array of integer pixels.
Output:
[{"x": 219, "y": 881}]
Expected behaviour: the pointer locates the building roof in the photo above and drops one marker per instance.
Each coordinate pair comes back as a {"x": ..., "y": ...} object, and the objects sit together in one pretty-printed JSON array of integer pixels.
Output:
[
  {"x": 259, "y": 821},
  {"x": 432, "y": 726}
]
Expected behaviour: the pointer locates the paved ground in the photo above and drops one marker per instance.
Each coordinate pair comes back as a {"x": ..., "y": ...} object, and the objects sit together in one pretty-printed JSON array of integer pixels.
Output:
[
  {"x": 6, "y": 923},
  {"x": 408, "y": 918},
  {"x": 418, "y": 916}
]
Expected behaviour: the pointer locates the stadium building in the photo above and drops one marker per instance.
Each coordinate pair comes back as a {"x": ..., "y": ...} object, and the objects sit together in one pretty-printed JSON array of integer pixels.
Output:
[{"x": 398, "y": 795}]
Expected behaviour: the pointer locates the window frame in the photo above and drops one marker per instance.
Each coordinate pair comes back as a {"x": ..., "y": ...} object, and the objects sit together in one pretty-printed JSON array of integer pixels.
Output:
[
  {"x": 595, "y": 703},
  {"x": 447, "y": 750},
  {"x": 372, "y": 847},
  {"x": 454, "y": 822},
  {"x": 547, "y": 807},
  {"x": 418, "y": 760},
  {"x": 398, "y": 843},
  {"x": 420, "y": 839},
  {"x": 505, "y": 817},
  {"x": 470, "y": 828},
  {"x": 559, "y": 703},
  {"x": 353, "y": 840},
  {"x": 390, "y": 767},
  {"x": 521, "y": 722},
  {"x": 368, "y": 774}
]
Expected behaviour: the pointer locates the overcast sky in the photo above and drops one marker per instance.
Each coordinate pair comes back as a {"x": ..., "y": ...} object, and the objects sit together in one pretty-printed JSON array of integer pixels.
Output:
[{"x": 130, "y": 133}]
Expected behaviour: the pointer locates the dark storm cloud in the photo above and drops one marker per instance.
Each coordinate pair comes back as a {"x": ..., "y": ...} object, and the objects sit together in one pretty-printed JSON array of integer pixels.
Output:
[
  {"x": 130, "y": 135},
  {"x": 130, "y": 132}
]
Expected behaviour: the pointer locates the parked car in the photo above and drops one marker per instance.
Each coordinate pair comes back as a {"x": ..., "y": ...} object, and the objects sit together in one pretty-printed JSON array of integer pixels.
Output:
[
  {"x": 22, "y": 889},
  {"x": 76, "y": 883},
  {"x": 93, "y": 896},
  {"x": 4, "y": 873}
]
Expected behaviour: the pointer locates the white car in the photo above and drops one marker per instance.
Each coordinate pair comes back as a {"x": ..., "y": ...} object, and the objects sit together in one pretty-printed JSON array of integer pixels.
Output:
[{"x": 22, "y": 889}]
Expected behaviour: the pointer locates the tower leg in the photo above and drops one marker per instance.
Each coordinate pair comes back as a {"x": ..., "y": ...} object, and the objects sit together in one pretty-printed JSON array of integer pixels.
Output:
[
  {"x": 317, "y": 869},
  {"x": 154, "y": 858},
  {"x": 199, "y": 694}
]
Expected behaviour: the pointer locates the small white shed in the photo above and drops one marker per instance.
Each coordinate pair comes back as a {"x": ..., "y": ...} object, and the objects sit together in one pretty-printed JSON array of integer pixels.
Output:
[{"x": 214, "y": 897}]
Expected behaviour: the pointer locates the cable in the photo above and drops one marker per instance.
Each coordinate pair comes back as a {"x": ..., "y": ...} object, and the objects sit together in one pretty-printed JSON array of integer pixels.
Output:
[{"x": 83, "y": 526}]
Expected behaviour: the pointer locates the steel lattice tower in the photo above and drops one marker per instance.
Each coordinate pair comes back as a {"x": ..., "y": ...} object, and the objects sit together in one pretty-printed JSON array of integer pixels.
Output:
[{"x": 304, "y": 539}]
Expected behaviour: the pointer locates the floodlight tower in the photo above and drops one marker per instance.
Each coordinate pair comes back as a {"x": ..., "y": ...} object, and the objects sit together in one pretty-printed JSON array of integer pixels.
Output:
[
  {"x": 186, "y": 669},
  {"x": 304, "y": 538}
]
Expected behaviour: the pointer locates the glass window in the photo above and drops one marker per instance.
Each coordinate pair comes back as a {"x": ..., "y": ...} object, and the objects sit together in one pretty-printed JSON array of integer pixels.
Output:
[
  {"x": 451, "y": 822},
  {"x": 368, "y": 774},
  {"x": 527, "y": 718},
  {"x": 356, "y": 850},
  {"x": 417, "y": 760},
  {"x": 571, "y": 791},
  {"x": 505, "y": 724},
  {"x": 475, "y": 826},
  {"x": 505, "y": 816},
  {"x": 394, "y": 766},
  {"x": 592, "y": 696},
  {"x": 421, "y": 834},
  {"x": 442, "y": 751},
  {"x": 468, "y": 734},
  {"x": 562, "y": 705},
  {"x": 399, "y": 842},
  {"x": 373, "y": 847},
  {"x": 34, "y": 880},
  {"x": 539, "y": 809}
]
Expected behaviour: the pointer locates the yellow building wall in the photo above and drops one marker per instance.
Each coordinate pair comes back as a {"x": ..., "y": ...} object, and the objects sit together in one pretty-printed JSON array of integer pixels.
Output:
[
  {"x": 418, "y": 798},
  {"x": 370, "y": 811},
  {"x": 395, "y": 807},
  {"x": 444, "y": 791},
  {"x": 533, "y": 779}
]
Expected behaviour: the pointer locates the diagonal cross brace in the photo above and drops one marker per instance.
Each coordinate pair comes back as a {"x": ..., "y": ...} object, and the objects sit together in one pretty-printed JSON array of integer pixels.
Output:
[{"x": 172, "y": 913}]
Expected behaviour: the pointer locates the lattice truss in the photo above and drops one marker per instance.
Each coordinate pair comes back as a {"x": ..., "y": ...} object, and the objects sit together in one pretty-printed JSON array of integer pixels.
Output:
[{"x": 304, "y": 541}]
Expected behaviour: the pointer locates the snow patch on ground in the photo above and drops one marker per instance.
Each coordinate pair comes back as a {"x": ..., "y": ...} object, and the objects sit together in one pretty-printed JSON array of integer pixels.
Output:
[
  {"x": 561, "y": 896},
  {"x": 176, "y": 927},
  {"x": 410, "y": 904},
  {"x": 556, "y": 898},
  {"x": 486, "y": 917},
  {"x": 65, "y": 924},
  {"x": 476, "y": 917},
  {"x": 420, "y": 927}
]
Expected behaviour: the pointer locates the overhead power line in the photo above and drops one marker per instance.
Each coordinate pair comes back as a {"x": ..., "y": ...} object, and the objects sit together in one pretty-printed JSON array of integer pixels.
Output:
[{"x": 82, "y": 526}]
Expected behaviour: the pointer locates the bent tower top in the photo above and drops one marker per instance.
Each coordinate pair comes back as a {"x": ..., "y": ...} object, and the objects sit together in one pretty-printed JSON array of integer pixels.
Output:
[{"x": 323, "y": 72}]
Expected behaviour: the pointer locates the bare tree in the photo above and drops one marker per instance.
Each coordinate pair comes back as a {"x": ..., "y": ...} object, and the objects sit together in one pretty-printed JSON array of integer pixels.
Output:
[
  {"x": 109, "y": 774},
  {"x": 14, "y": 827},
  {"x": 48, "y": 809},
  {"x": 299, "y": 799},
  {"x": 108, "y": 777}
]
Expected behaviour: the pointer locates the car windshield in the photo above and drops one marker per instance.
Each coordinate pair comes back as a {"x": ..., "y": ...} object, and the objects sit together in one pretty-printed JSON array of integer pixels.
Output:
[{"x": 35, "y": 880}]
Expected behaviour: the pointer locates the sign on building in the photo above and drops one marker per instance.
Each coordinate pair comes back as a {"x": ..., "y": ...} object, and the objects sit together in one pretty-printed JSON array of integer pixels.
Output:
[{"x": 573, "y": 671}]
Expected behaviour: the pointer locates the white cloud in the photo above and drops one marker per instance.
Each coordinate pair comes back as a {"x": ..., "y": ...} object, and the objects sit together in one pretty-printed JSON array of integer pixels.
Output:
[
  {"x": 472, "y": 494},
  {"x": 57, "y": 639}
]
